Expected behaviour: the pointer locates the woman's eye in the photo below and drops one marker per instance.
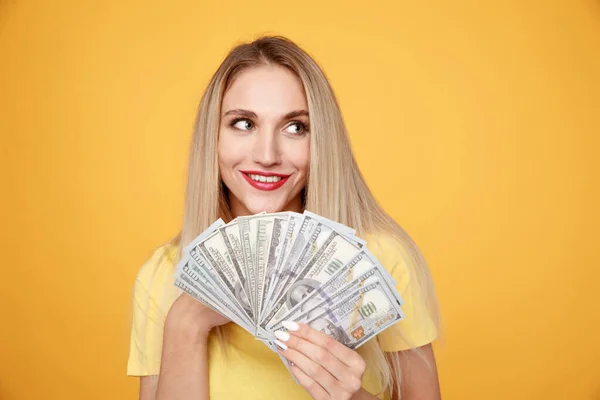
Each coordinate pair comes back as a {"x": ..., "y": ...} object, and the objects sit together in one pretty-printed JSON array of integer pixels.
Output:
[
  {"x": 242, "y": 124},
  {"x": 296, "y": 128},
  {"x": 300, "y": 128}
]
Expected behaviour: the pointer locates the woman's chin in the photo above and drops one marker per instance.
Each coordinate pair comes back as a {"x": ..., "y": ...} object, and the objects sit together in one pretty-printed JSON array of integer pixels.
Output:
[
  {"x": 256, "y": 207},
  {"x": 272, "y": 203},
  {"x": 268, "y": 208}
]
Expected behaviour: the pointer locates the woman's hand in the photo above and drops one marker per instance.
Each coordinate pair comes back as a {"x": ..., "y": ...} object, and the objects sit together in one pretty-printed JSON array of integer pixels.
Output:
[
  {"x": 184, "y": 363},
  {"x": 324, "y": 367},
  {"x": 191, "y": 318}
]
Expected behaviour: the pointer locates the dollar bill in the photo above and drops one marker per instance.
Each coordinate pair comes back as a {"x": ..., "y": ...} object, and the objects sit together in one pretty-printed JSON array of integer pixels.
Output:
[
  {"x": 312, "y": 234},
  {"x": 280, "y": 237},
  {"x": 271, "y": 233},
  {"x": 311, "y": 297},
  {"x": 262, "y": 269},
  {"x": 293, "y": 227},
  {"x": 231, "y": 238},
  {"x": 303, "y": 222},
  {"x": 360, "y": 316},
  {"x": 219, "y": 263},
  {"x": 330, "y": 255},
  {"x": 186, "y": 250},
  {"x": 195, "y": 280},
  {"x": 249, "y": 234},
  {"x": 317, "y": 304},
  {"x": 233, "y": 243},
  {"x": 321, "y": 231},
  {"x": 211, "y": 278},
  {"x": 304, "y": 234}
]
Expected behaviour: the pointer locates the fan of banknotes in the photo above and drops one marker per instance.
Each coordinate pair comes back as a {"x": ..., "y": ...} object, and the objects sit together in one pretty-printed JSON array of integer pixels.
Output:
[{"x": 263, "y": 269}]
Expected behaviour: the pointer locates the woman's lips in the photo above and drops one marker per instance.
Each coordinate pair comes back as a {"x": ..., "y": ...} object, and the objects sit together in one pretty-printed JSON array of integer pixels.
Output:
[{"x": 264, "y": 185}]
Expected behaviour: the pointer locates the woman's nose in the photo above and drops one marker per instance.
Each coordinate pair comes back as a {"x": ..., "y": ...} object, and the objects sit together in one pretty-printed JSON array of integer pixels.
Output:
[{"x": 266, "y": 149}]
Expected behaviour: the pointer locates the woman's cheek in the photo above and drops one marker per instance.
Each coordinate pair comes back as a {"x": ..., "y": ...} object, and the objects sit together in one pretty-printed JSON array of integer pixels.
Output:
[
  {"x": 231, "y": 152},
  {"x": 300, "y": 159}
]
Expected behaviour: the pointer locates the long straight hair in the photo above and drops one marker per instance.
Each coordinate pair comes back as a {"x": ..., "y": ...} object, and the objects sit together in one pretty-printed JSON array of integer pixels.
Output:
[{"x": 336, "y": 188}]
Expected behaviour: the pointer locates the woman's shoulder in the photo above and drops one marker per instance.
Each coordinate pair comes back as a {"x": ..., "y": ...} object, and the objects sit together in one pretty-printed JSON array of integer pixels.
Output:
[
  {"x": 154, "y": 292},
  {"x": 158, "y": 270},
  {"x": 400, "y": 256},
  {"x": 391, "y": 251}
]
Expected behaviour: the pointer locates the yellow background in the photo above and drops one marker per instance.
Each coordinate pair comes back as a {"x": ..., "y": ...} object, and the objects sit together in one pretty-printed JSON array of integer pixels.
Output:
[{"x": 476, "y": 124}]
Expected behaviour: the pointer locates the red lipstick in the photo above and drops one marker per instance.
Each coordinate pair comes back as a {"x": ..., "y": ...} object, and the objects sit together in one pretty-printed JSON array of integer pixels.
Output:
[{"x": 264, "y": 185}]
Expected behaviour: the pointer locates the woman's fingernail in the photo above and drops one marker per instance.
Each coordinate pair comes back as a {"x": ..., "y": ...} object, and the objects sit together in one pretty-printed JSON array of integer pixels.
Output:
[
  {"x": 281, "y": 345},
  {"x": 290, "y": 326},
  {"x": 281, "y": 335}
]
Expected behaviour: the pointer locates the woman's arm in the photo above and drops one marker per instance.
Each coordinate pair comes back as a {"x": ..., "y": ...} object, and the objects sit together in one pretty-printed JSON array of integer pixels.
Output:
[
  {"x": 419, "y": 375},
  {"x": 184, "y": 369},
  {"x": 184, "y": 363},
  {"x": 148, "y": 387}
]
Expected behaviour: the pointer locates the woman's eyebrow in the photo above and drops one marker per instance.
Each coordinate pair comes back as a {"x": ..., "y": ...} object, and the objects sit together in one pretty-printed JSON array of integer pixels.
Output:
[
  {"x": 252, "y": 114},
  {"x": 296, "y": 113}
]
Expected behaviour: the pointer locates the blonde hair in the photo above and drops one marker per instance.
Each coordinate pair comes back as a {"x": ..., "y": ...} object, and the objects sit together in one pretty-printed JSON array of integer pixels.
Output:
[{"x": 336, "y": 188}]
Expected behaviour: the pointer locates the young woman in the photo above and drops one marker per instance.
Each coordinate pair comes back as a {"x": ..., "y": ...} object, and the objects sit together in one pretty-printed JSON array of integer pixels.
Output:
[{"x": 269, "y": 111}]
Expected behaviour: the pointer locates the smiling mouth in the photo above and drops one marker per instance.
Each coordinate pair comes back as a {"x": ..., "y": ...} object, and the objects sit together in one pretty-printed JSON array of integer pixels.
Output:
[
  {"x": 265, "y": 180},
  {"x": 262, "y": 178}
]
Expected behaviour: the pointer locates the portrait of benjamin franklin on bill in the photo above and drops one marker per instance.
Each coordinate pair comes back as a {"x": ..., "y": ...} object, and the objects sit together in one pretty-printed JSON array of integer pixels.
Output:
[
  {"x": 240, "y": 295},
  {"x": 299, "y": 290},
  {"x": 327, "y": 327}
]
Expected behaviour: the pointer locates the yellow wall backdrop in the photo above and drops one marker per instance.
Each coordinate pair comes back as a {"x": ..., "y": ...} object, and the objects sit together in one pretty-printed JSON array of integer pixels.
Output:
[{"x": 476, "y": 124}]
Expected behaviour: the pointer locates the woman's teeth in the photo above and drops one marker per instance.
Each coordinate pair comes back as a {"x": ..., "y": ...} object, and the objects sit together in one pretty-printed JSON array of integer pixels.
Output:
[{"x": 261, "y": 178}]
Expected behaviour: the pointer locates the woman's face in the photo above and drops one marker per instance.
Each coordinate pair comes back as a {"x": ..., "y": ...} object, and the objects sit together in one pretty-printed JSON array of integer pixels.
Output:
[{"x": 264, "y": 141}]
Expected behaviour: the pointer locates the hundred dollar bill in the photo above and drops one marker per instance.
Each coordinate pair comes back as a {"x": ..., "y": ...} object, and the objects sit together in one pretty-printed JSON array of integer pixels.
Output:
[
  {"x": 194, "y": 279},
  {"x": 212, "y": 278},
  {"x": 233, "y": 243},
  {"x": 260, "y": 227},
  {"x": 263, "y": 236},
  {"x": 262, "y": 269},
  {"x": 320, "y": 236},
  {"x": 271, "y": 231},
  {"x": 189, "y": 286},
  {"x": 361, "y": 315},
  {"x": 232, "y": 240},
  {"x": 319, "y": 304},
  {"x": 310, "y": 295},
  {"x": 280, "y": 237},
  {"x": 248, "y": 227},
  {"x": 293, "y": 227},
  {"x": 313, "y": 233},
  {"x": 188, "y": 266},
  {"x": 186, "y": 250},
  {"x": 303, "y": 236},
  {"x": 219, "y": 263},
  {"x": 335, "y": 251}
]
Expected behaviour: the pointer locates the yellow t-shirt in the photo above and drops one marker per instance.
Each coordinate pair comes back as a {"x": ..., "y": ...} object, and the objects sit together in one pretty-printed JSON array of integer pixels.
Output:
[{"x": 250, "y": 370}]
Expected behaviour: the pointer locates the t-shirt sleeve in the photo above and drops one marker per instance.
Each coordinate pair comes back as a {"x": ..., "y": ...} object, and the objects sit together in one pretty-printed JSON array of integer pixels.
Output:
[
  {"x": 150, "y": 304},
  {"x": 419, "y": 326}
]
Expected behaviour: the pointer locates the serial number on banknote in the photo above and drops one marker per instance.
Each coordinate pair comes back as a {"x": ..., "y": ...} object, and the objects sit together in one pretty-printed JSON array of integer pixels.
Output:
[{"x": 385, "y": 320}]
